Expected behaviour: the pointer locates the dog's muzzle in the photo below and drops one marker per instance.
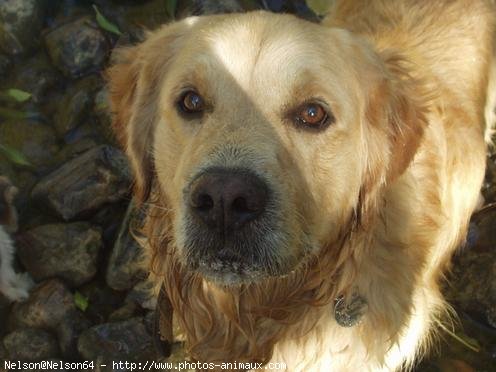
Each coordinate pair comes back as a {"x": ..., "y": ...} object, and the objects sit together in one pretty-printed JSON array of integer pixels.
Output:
[{"x": 230, "y": 218}]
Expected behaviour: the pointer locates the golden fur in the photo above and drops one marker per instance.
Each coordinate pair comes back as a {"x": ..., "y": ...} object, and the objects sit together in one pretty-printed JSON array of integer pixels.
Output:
[{"x": 375, "y": 204}]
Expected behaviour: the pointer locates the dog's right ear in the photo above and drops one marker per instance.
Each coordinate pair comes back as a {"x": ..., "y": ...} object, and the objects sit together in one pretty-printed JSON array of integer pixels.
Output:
[{"x": 134, "y": 82}]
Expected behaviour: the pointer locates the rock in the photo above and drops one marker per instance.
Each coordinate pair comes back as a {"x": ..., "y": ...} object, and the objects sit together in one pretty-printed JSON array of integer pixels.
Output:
[
  {"x": 473, "y": 281},
  {"x": 68, "y": 251},
  {"x": 83, "y": 185},
  {"x": 127, "y": 341},
  {"x": 49, "y": 303},
  {"x": 20, "y": 25},
  {"x": 78, "y": 47},
  {"x": 24, "y": 180},
  {"x": 30, "y": 345},
  {"x": 36, "y": 141},
  {"x": 102, "y": 300},
  {"x": 73, "y": 150},
  {"x": 4, "y": 313},
  {"x": 125, "y": 312},
  {"x": 37, "y": 76},
  {"x": 124, "y": 269},
  {"x": 68, "y": 332},
  {"x": 4, "y": 64},
  {"x": 449, "y": 348},
  {"x": 147, "y": 14},
  {"x": 142, "y": 294},
  {"x": 3, "y": 356},
  {"x": 103, "y": 116},
  {"x": 149, "y": 320},
  {"x": 88, "y": 129},
  {"x": 76, "y": 105},
  {"x": 110, "y": 218},
  {"x": 202, "y": 7}
]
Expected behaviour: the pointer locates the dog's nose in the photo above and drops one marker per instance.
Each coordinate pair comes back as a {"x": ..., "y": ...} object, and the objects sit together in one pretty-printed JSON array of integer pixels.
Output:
[{"x": 226, "y": 199}]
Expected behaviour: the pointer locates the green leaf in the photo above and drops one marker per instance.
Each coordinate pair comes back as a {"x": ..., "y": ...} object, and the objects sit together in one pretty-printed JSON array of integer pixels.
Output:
[
  {"x": 18, "y": 95},
  {"x": 105, "y": 23},
  {"x": 14, "y": 156},
  {"x": 319, "y": 6},
  {"x": 81, "y": 301},
  {"x": 8, "y": 113},
  {"x": 170, "y": 8}
]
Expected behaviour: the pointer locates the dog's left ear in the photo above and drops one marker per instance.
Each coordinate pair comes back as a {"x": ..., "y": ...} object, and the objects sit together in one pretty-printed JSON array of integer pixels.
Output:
[
  {"x": 398, "y": 108},
  {"x": 134, "y": 84},
  {"x": 407, "y": 108},
  {"x": 396, "y": 116}
]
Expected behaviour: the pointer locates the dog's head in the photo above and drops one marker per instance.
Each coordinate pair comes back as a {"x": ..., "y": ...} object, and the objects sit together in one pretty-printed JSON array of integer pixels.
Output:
[{"x": 268, "y": 137}]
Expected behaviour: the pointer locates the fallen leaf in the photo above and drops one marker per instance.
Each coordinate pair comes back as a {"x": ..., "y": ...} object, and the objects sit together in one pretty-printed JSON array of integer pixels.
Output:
[
  {"x": 81, "y": 301},
  {"x": 105, "y": 23},
  {"x": 18, "y": 95},
  {"x": 319, "y": 6},
  {"x": 14, "y": 156}
]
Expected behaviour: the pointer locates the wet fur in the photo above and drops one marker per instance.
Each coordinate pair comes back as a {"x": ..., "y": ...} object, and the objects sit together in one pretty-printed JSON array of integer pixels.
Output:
[{"x": 412, "y": 79}]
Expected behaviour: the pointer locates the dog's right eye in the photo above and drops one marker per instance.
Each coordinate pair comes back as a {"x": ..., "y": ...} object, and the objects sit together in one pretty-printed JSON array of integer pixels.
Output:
[
  {"x": 313, "y": 116},
  {"x": 191, "y": 102}
]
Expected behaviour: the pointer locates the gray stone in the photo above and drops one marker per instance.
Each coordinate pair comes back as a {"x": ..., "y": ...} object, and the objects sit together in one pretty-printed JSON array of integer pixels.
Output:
[
  {"x": 83, "y": 185},
  {"x": 36, "y": 141},
  {"x": 49, "y": 303},
  {"x": 3, "y": 355},
  {"x": 142, "y": 294},
  {"x": 73, "y": 150},
  {"x": 68, "y": 332},
  {"x": 38, "y": 77},
  {"x": 102, "y": 300},
  {"x": 78, "y": 47},
  {"x": 88, "y": 129},
  {"x": 473, "y": 280},
  {"x": 5, "y": 64},
  {"x": 128, "y": 341},
  {"x": 30, "y": 345},
  {"x": 20, "y": 25},
  {"x": 76, "y": 105},
  {"x": 68, "y": 251},
  {"x": 102, "y": 114},
  {"x": 124, "y": 269},
  {"x": 125, "y": 312}
]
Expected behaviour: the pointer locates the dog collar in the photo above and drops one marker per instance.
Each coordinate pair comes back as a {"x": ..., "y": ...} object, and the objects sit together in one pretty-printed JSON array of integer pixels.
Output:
[{"x": 349, "y": 314}]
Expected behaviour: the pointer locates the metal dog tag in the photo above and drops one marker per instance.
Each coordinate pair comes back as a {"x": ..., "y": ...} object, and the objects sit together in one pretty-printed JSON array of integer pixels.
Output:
[{"x": 349, "y": 315}]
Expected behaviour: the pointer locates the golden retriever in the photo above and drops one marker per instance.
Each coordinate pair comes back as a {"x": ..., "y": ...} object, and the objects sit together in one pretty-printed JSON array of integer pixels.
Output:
[{"x": 306, "y": 184}]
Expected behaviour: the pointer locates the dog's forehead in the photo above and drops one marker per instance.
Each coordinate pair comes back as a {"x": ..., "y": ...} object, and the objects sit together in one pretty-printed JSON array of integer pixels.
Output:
[{"x": 264, "y": 49}]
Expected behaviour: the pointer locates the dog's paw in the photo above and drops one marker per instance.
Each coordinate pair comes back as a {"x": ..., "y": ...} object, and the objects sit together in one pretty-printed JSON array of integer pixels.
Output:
[{"x": 17, "y": 289}]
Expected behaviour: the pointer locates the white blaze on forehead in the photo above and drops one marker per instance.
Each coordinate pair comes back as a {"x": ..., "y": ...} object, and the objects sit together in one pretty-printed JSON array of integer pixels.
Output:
[
  {"x": 237, "y": 49},
  {"x": 261, "y": 63}
]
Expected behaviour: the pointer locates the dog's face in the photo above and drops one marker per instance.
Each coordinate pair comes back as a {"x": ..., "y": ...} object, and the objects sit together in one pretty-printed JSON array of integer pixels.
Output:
[{"x": 266, "y": 135}]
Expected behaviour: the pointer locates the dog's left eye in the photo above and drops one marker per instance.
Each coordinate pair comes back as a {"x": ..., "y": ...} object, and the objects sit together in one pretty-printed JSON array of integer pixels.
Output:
[
  {"x": 191, "y": 102},
  {"x": 312, "y": 115}
]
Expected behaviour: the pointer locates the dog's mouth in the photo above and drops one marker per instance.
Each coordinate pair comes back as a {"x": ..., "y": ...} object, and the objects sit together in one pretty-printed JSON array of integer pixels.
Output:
[
  {"x": 229, "y": 271},
  {"x": 234, "y": 261}
]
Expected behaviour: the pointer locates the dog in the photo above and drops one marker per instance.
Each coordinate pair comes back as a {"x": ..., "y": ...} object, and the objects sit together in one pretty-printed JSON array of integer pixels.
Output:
[
  {"x": 307, "y": 183},
  {"x": 15, "y": 287}
]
